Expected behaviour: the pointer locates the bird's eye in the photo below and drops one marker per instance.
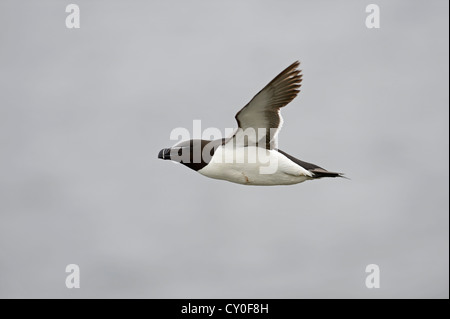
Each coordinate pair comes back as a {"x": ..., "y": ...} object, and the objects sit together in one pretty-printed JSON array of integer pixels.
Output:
[{"x": 179, "y": 152}]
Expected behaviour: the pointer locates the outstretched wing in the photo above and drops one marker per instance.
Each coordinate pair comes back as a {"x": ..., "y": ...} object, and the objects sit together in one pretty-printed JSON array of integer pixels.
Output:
[{"x": 262, "y": 114}]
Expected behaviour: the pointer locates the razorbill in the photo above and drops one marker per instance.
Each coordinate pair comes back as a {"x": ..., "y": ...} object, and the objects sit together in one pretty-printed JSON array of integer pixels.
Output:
[{"x": 251, "y": 156}]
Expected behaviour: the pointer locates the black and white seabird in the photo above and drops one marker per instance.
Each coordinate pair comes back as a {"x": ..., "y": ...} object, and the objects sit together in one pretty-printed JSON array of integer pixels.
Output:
[{"x": 251, "y": 155}]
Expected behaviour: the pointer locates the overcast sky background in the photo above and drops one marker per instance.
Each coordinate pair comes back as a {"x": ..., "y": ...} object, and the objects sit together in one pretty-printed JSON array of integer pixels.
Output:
[{"x": 83, "y": 114}]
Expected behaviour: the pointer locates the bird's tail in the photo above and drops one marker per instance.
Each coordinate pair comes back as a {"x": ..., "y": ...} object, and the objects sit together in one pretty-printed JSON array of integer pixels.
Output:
[{"x": 320, "y": 172}]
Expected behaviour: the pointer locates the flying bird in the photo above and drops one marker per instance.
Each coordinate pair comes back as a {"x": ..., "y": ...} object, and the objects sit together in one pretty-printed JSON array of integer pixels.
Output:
[{"x": 251, "y": 155}]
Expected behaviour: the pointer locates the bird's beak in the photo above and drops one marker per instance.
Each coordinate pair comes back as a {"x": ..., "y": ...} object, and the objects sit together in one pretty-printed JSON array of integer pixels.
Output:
[{"x": 164, "y": 154}]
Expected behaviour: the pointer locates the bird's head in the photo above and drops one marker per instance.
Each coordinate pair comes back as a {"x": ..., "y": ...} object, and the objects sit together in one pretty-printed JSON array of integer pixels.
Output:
[{"x": 194, "y": 154}]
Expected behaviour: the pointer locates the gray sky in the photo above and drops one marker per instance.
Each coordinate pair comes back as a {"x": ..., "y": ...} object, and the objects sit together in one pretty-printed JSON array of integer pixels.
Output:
[{"x": 83, "y": 114}]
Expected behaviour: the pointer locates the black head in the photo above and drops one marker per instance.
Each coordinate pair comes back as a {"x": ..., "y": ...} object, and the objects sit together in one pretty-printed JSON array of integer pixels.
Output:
[{"x": 194, "y": 154}]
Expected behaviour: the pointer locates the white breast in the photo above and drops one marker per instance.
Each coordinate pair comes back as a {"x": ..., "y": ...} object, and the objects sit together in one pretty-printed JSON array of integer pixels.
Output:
[{"x": 254, "y": 166}]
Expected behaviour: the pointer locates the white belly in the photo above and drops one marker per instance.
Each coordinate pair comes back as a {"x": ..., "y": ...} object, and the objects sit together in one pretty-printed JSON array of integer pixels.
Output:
[{"x": 254, "y": 166}]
